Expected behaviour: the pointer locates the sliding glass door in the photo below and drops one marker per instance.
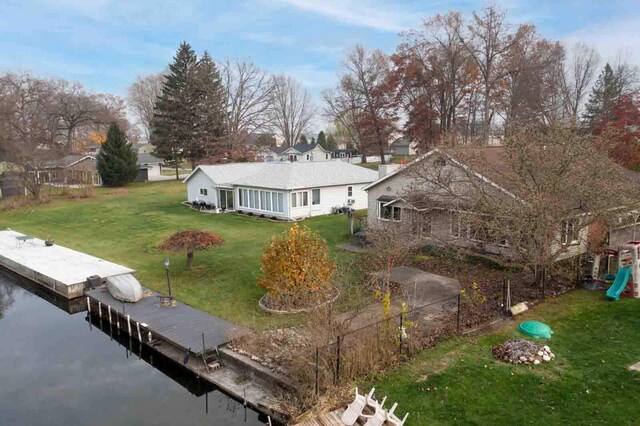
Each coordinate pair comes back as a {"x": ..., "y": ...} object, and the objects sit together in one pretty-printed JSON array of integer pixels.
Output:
[{"x": 226, "y": 199}]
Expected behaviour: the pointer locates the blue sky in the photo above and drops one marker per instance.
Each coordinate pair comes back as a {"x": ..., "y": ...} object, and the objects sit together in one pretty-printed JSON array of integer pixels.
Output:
[{"x": 105, "y": 43}]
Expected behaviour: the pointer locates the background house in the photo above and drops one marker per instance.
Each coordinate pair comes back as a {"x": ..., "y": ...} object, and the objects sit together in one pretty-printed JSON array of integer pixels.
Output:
[
  {"x": 286, "y": 190},
  {"x": 449, "y": 225},
  {"x": 71, "y": 170},
  {"x": 403, "y": 147},
  {"x": 302, "y": 152},
  {"x": 143, "y": 148},
  {"x": 149, "y": 167}
]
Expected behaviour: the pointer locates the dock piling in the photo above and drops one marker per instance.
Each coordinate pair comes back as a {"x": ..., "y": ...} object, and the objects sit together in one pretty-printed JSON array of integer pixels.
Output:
[
  {"x": 129, "y": 324},
  {"x": 99, "y": 309},
  {"x": 139, "y": 335},
  {"x": 109, "y": 312},
  {"x": 88, "y": 306}
]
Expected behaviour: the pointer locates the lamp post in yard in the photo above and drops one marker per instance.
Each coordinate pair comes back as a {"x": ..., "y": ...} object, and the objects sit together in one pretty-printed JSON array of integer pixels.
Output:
[{"x": 166, "y": 266}]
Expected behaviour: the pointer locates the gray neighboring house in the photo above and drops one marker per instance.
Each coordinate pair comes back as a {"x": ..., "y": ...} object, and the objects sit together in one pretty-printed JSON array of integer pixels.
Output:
[
  {"x": 149, "y": 167},
  {"x": 437, "y": 225},
  {"x": 402, "y": 147},
  {"x": 71, "y": 170}
]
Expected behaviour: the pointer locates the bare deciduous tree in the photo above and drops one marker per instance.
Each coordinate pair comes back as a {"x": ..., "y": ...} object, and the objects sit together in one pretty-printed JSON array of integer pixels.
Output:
[
  {"x": 291, "y": 110},
  {"x": 248, "y": 91},
  {"x": 576, "y": 77},
  {"x": 142, "y": 96},
  {"x": 489, "y": 41}
]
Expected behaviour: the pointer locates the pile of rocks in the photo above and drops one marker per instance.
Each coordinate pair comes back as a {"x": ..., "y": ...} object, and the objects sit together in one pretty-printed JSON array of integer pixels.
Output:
[{"x": 522, "y": 351}]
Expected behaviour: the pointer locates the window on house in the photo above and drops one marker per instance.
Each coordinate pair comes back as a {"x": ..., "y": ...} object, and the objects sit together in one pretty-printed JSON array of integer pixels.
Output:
[
  {"x": 326, "y": 156},
  {"x": 315, "y": 196},
  {"x": 569, "y": 232},
  {"x": 204, "y": 191},
  {"x": 299, "y": 199},
  {"x": 308, "y": 157},
  {"x": 389, "y": 212},
  {"x": 349, "y": 191}
]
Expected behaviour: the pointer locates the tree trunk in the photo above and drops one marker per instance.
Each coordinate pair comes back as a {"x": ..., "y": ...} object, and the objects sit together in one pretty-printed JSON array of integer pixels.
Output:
[{"x": 190, "y": 260}]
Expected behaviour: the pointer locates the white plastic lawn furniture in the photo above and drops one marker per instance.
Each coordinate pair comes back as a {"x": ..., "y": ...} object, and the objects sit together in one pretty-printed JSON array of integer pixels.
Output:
[
  {"x": 354, "y": 410},
  {"x": 378, "y": 417},
  {"x": 393, "y": 419},
  {"x": 376, "y": 407}
]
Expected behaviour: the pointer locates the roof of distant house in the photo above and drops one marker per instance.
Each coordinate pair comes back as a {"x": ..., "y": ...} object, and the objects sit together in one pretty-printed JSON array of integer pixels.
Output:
[
  {"x": 66, "y": 161},
  {"x": 286, "y": 175},
  {"x": 300, "y": 148},
  {"x": 144, "y": 158}
]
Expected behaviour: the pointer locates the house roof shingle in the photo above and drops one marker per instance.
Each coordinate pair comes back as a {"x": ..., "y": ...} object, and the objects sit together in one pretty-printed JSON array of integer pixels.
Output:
[
  {"x": 144, "y": 158},
  {"x": 66, "y": 161},
  {"x": 285, "y": 175}
]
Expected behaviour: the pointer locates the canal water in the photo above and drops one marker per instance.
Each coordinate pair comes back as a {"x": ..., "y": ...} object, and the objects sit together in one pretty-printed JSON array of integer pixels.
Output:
[{"x": 58, "y": 369}]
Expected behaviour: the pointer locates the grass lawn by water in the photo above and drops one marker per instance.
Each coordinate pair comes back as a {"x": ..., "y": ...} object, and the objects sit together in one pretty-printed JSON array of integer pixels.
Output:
[
  {"x": 126, "y": 226},
  {"x": 588, "y": 383}
]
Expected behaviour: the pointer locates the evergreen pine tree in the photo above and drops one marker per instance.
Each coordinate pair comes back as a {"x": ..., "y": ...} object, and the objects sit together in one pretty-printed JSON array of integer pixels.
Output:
[
  {"x": 303, "y": 140},
  {"x": 209, "y": 111},
  {"x": 322, "y": 139},
  {"x": 603, "y": 98},
  {"x": 173, "y": 123},
  {"x": 117, "y": 162}
]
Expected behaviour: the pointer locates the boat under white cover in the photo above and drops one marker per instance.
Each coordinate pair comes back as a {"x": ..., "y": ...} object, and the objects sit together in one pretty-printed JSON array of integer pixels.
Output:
[{"x": 124, "y": 287}]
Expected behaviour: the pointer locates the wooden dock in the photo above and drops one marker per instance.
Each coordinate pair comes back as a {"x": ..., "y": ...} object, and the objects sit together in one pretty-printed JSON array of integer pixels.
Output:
[
  {"x": 61, "y": 270},
  {"x": 181, "y": 325}
]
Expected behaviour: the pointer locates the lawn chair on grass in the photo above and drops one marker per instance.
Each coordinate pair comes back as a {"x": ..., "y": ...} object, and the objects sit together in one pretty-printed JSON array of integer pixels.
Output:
[
  {"x": 393, "y": 419},
  {"x": 354, "y": 410}
]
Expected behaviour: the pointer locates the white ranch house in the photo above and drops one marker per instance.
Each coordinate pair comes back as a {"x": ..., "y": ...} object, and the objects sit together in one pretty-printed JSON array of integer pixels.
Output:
[{"x": 286, "y": 190}]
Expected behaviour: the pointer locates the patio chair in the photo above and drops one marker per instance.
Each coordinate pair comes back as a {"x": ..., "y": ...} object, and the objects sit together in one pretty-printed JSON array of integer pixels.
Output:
[
  {"x": 378, "y": 418},
  {"x": 354, "y": 410},
  {"x": 393, "y": 419},
  {"x": 376, "y": 407}
]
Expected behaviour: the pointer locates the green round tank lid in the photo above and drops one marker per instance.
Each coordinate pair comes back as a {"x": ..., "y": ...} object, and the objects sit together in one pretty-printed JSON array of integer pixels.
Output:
[{"x": 535, "y": 329}]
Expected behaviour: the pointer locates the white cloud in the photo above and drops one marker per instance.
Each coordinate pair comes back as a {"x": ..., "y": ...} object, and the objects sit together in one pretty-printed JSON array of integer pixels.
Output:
[
  {"x": 365, "y": 13},
  {"x": 610, "y": 38}
]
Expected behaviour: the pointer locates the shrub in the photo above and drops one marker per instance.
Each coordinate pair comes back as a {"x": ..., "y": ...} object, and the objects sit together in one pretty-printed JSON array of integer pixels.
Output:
[{"x": 296, "y": 267}]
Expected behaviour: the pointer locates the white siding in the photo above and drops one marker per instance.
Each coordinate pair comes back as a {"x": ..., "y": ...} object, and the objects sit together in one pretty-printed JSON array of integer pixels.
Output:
[
  {"x": 196, "y": 182},
  {"x": 153, "y": 171},
  {"x": 331, "y": 196}
]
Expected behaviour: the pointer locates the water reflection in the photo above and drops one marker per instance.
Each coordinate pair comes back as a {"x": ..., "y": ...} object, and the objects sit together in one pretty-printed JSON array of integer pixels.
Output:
[{"x": 55, "y": 370}]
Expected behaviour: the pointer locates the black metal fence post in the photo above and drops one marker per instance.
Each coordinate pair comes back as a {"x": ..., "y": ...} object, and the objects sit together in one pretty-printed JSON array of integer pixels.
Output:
[
  {"x": 337, "y": 380},
  {"x": 317, "y": 371},
  {"x": 458, "y": 316}
]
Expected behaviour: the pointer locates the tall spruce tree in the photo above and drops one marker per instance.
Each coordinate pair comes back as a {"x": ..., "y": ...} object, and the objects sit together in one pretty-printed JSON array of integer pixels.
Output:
[
  {"x": 117, "y": 162},
  {"x": 303, "y": 140},
  {"x": 209, "y": 111},
  {"x": 602, "y": 99},
  {"x": 174, "y": 122},
  {"x": 322, "y": 139}
]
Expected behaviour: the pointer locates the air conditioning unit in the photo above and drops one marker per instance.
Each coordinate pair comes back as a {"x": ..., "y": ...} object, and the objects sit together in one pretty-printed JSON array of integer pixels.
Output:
[{"x": 351, "y": 201}]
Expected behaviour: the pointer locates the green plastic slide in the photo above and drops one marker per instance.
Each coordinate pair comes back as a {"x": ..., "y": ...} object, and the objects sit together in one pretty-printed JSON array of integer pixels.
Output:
[{"x": 619, "y": 284}]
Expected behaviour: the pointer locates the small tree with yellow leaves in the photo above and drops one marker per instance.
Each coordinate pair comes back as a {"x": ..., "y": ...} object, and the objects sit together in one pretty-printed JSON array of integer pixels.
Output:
[{"x": 296, "y": 269}]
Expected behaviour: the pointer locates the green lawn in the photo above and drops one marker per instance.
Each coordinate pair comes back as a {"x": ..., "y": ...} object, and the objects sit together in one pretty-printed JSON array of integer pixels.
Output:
[
  {"x": 595, "y": 341},
  {"x": 125, "y": 226}
]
